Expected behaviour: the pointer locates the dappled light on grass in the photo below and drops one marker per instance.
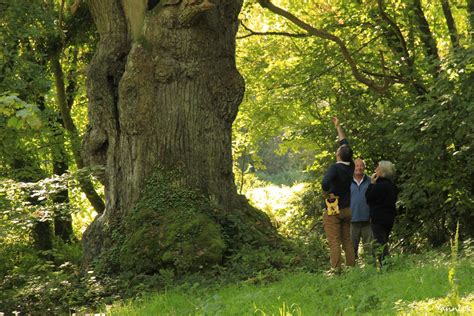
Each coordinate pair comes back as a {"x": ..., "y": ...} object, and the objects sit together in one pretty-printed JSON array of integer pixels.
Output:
[{"x": 284, "y": 310}]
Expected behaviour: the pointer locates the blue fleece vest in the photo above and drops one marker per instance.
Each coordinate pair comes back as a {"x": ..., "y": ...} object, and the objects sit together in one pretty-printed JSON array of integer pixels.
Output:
[{"x": 359, "y": 206}]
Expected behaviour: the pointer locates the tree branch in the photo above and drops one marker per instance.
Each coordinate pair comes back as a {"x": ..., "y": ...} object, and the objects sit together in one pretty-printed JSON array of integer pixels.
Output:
[
  {"x": 402, "y": 48},
  {"x": 396, "y": 30},
  {"x": 252, "y": 33},
  {"x": 332, "y": 67},
  {"x": 328, "y": 36}
]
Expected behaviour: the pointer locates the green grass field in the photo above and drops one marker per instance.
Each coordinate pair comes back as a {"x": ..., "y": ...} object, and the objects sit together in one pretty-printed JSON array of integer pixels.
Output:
[{"x": 412, "y": 284}]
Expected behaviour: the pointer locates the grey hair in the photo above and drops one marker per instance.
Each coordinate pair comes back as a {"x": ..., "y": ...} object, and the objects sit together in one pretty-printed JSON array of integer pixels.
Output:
[{"x": 387, "y": 169}]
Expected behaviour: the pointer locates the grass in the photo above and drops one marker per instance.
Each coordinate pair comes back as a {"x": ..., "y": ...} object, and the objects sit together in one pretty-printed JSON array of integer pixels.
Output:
[{"x": 407, "y": 285}]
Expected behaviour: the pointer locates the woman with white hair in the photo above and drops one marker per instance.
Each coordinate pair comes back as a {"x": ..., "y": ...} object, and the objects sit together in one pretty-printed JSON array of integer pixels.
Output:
[{"x": 381, "y": 196}]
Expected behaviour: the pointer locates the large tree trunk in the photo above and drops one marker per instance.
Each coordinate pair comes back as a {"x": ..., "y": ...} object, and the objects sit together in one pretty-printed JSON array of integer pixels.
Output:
[{"x": 164, "y": 91}]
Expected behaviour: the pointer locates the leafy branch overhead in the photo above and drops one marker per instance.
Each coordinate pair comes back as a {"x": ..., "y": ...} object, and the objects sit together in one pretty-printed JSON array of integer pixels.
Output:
[{"x": 356, "y": 72}]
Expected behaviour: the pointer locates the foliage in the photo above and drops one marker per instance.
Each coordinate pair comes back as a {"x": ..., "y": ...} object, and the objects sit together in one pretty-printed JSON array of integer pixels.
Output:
[
  {"x": 32, "y": 34},
  {"x": 20, "y": 112},
  {"x": 434, "y": 159},
  {"x": 32, "y": 285},
  {"x": 39, "y": 281},
  {"x": 422, "y": 122},
  {"x": 24, "y": 85}
]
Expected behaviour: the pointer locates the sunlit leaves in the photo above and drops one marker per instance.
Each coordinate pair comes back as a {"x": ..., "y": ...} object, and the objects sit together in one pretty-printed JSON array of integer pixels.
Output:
[
  {"x": 19, "y": 113},
  {"x": 24, "y": 203}
]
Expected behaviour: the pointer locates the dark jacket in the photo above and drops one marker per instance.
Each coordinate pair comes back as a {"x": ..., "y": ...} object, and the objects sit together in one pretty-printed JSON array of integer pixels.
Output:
[
  {"x": 381, "y": 198},
  {"x": 338, "y": 179}
]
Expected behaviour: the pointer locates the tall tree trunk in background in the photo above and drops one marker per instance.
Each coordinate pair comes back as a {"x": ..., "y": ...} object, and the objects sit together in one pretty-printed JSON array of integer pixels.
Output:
[
  {"x": 426, "y": 37},
  {"x": 29, "y": 171},
  {"x": 62, "y": 219},
  {"x": 397, "y": 43},
  {"x": 470, "y": 13},
  {"x": 163, "y": 92},
  {"x": 68, "y": 124},
  {"x": 453, "y": 32}
]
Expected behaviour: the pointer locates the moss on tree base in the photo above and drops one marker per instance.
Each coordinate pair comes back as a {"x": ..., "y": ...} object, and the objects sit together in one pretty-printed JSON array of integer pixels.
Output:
[
  {"x": 170, "y": 227},
  {"x": 175, "y": 227}
]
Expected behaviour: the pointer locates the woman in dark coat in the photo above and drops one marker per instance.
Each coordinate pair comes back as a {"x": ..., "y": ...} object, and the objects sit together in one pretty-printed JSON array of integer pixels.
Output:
[{"x": 381, "y": 196}]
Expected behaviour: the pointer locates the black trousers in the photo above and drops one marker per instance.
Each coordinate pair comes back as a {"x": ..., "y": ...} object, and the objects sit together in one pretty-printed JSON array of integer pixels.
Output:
[{"x": 381, "y": 232}]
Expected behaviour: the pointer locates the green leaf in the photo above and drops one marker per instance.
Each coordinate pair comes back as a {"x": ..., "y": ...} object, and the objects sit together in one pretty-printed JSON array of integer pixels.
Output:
[{"x": 13, "y": 122}]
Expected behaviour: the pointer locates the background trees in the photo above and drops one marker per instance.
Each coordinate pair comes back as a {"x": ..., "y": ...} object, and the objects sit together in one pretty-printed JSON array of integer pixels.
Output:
[
  {"x": 398, "y": 74},
  {"x": 41, "y": 39}
]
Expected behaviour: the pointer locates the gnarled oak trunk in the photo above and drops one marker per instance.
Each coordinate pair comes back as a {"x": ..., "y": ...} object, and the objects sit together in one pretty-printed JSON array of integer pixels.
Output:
[{"x": 163, "y": 91}]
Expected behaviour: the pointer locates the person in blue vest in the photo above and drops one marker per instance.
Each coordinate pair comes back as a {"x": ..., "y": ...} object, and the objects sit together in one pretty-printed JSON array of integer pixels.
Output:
[{"x": 360, "y": 223}]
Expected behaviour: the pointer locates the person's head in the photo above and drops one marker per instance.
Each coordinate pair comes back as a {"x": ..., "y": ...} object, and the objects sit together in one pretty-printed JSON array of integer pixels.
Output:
[
  {"x": 385, "y": 169},
  {"x": 344, "y": 153},
  {"x": 359, "y": 167}
]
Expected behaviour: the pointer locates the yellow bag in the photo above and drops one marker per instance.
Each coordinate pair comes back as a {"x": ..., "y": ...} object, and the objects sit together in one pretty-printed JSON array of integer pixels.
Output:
[{"x": 332, "y": 205}]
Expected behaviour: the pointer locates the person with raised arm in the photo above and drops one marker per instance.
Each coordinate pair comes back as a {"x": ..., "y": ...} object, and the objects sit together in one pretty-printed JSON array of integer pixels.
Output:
[{"x": 336, "y": 185}]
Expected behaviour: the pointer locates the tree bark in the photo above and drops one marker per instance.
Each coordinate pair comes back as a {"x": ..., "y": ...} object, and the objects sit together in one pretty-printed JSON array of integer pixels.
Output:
[{"x": 163, "y": 92}]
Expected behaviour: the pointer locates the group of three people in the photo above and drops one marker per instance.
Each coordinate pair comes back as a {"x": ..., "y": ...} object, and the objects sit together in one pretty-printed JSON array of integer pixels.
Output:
[{"x": 357, "y": 206}]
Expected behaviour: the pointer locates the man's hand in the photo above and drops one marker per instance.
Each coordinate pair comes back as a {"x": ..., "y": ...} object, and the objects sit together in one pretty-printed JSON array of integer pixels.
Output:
[{"x": 340, "y": 132}]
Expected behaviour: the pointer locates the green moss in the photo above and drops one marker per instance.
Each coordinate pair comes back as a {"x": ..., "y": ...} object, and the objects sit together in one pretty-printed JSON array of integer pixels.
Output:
[{"x": 170, "y": 227}]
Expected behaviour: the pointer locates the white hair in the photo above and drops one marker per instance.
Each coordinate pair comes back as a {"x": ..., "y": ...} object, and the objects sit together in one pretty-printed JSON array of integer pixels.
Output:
[
  {"x": 387, "y": 169},
  {"x": 363, "y": 161}
]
